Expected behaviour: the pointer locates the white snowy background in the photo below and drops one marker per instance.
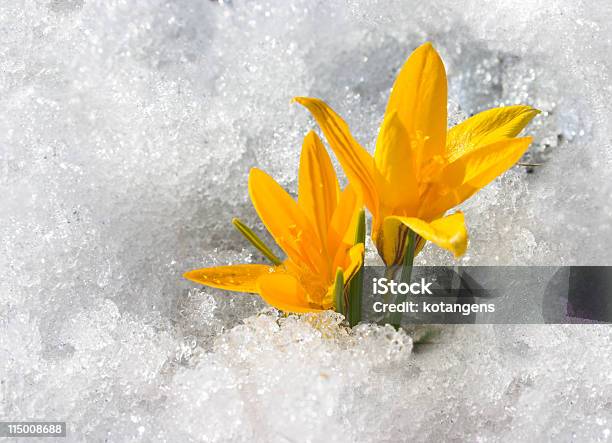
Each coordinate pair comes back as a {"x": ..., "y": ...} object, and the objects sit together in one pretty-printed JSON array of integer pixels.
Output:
[{"x": 127, "y": 130}]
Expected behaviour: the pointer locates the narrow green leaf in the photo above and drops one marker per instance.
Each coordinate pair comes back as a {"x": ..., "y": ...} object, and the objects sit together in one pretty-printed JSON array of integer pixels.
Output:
[
  {"x": 409, "y": 257},
  {"x": 255, "y": 241},
  {"x": 339, "y": 292},
  {"x": 395, "y": 318},
  {"x": 356, "y": 284}
]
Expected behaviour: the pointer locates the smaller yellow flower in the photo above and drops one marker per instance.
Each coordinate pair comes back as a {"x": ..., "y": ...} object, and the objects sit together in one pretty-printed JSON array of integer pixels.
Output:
[
  {"x": 420, "y": 170},
  {"x": 316, "y": 232}
]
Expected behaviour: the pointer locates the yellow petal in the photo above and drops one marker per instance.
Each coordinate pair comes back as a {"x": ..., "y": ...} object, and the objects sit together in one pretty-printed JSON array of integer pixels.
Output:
[
  {"x": 419, "y": 97},
  {"x": 318, "y": 189},
  {"x": 348, "y": 260},
  {"x": 447, "y": 232},
  {"x": 487, "y": 127},
  {"x": 389, "y": 236},
  {"x": 471, "y": 172},
  {"x": 344, "y": 220},
  {"x": 241, "y": 278},
  {"x": 394, "y": 161},
  {"x": 391, "y": 242},
  {"x": 354, "y": 262},
  {"x": 285, "y": 220},
  {"x": 420, "y": 244},
  {"x": 355, "y": 160},
  {"x": 284, "y": 292}
]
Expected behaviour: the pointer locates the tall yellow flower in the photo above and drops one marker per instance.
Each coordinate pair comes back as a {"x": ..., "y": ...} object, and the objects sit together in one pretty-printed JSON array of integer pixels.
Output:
[
  {"x": 420, "y": 170},
  {"x": 317, "y": 233}
]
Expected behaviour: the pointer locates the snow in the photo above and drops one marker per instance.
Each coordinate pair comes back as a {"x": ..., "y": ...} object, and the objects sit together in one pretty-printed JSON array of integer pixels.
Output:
[{"x": 126, "y": 134}]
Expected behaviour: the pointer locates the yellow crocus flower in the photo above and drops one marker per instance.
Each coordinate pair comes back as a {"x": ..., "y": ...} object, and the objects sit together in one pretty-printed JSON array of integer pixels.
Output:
[
  {"x": 317, "y": 233},
  {"x": 420, "y": 170}
]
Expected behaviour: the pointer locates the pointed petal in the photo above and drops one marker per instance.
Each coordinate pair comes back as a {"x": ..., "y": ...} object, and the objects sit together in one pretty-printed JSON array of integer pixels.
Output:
[
  {"x": 419, "y": 97},
  {"x": 462, "y": 178},
  {"x": 447, "y": 232},
  {"x": 240, "y": 278},
  {"x": 487, "y": 127},
  {"x": 394, "y": 161},
  {"x": 284, "y": 219},
  {"x": 318, "y": 189},
  {"x": 284, "y": 292},
  {"x": 355, "y": 160},
  {"x": 344, "y": 220}
]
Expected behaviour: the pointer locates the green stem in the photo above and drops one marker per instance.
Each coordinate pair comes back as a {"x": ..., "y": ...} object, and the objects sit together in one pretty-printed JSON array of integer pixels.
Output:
[
  {"x": 339, "y": 292},
  {"x": 256, "y": 241},
  {"x": 395, "y": 318},
  {"x": 390, "y": 273},
  {"x": 356, "y": 284}
]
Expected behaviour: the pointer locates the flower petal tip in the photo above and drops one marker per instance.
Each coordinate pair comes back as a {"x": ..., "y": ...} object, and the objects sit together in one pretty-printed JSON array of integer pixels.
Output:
[
  {"x": 195, "y": 275},
  {"x": 255, "y": 175},
  {"x": 534, "y": 111},
  {"x": 427, "y": 47}
]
